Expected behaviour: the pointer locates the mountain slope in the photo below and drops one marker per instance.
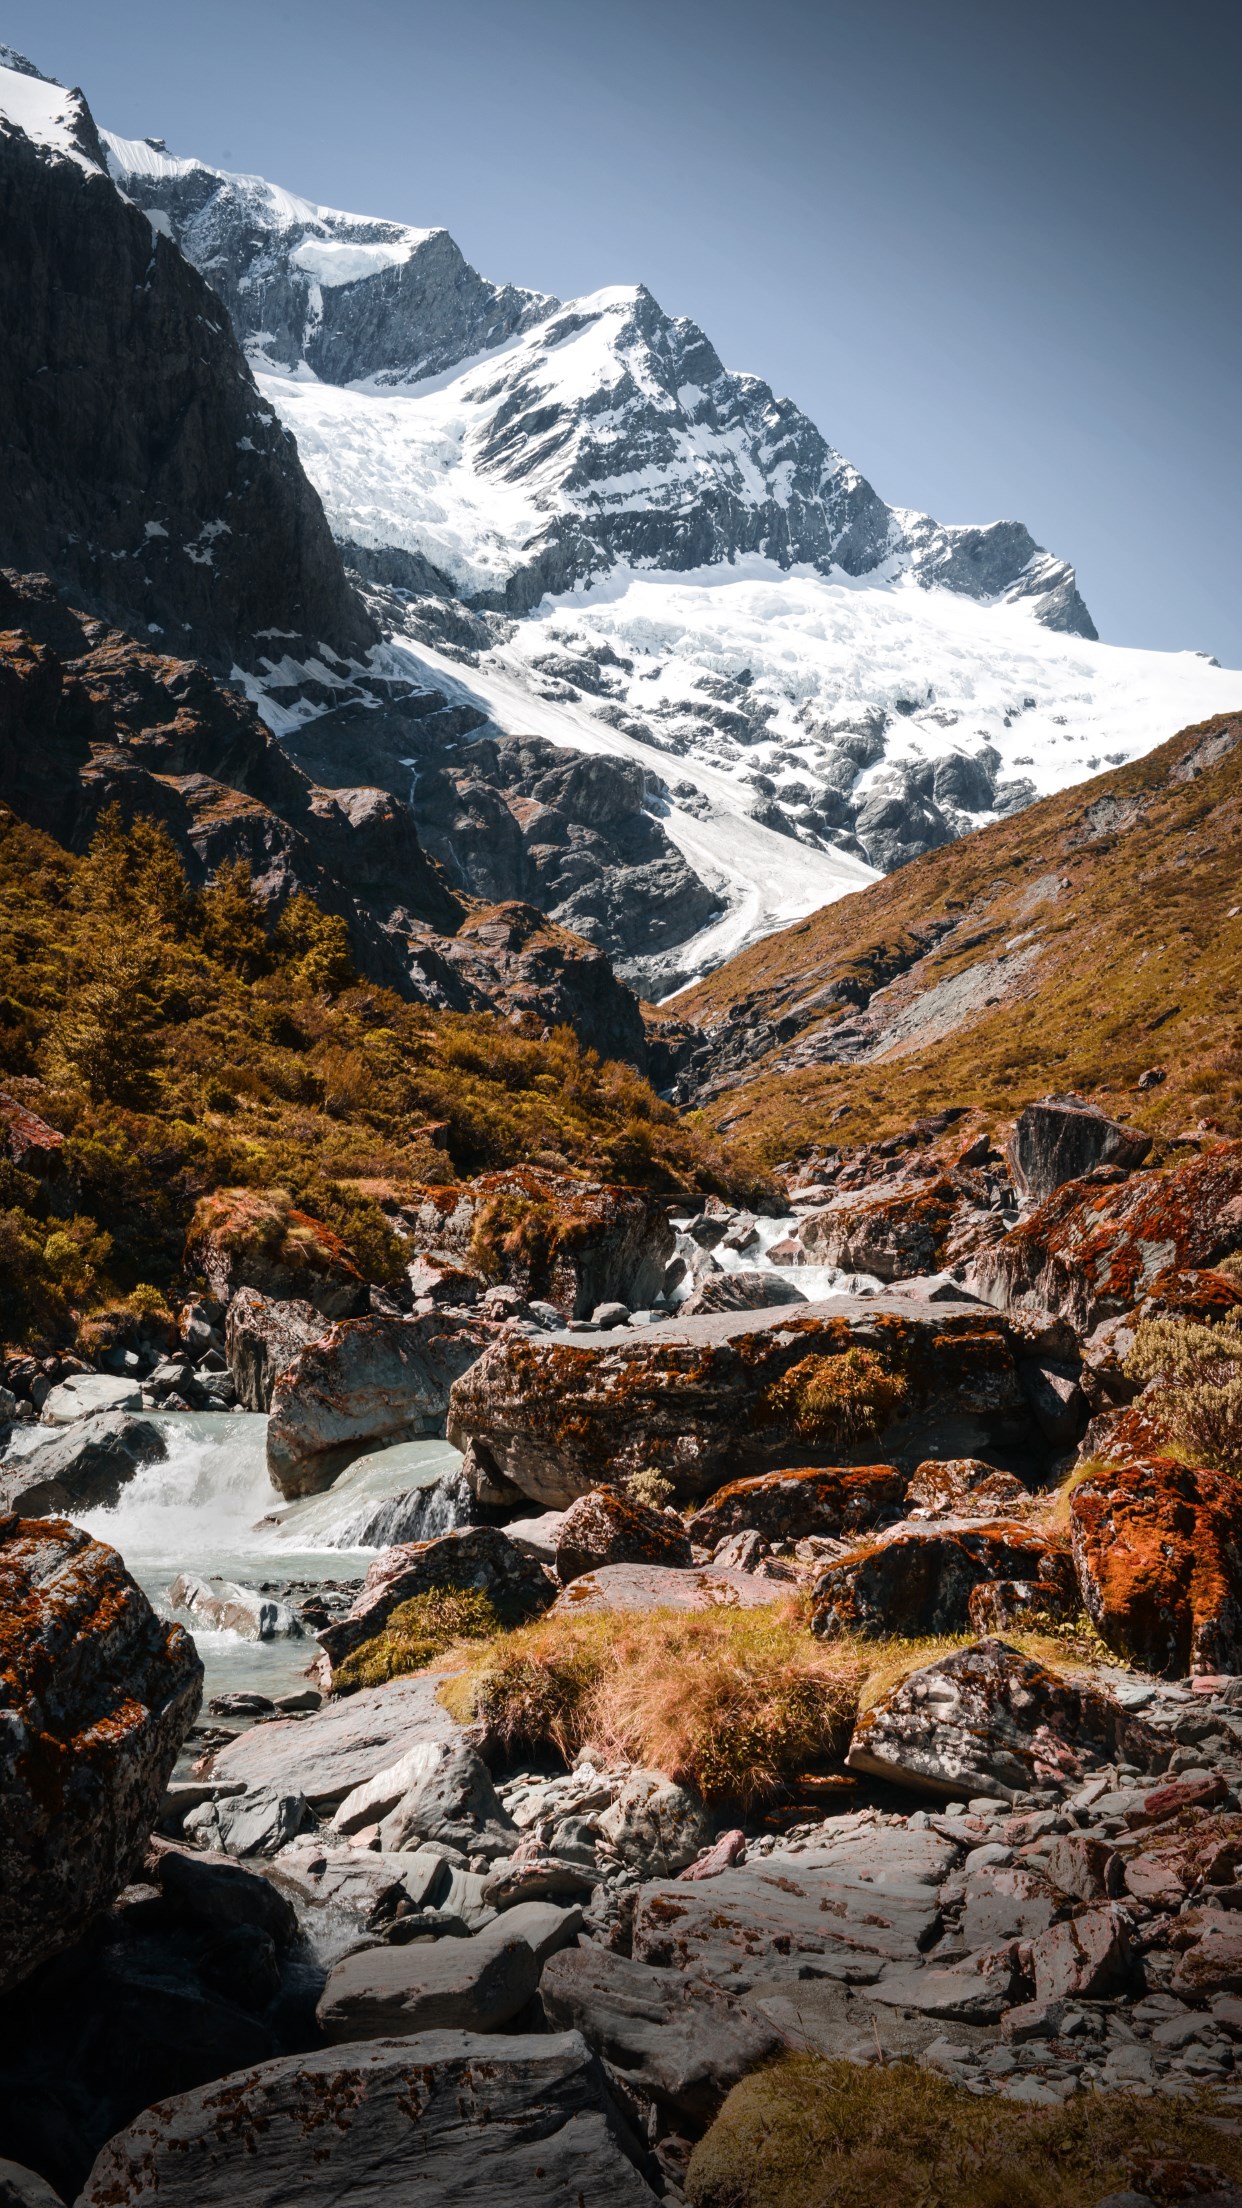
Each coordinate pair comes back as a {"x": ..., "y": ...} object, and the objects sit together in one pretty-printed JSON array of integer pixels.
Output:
[
  {"x": 1094, "y": 939},
  {"x": 139, "y": 464}
]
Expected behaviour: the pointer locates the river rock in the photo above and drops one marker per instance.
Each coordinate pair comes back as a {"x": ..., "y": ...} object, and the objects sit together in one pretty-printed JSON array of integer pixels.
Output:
[
  {"x": 707, "y": 1399},
  {"x": 1059, "y": 1138},
  {"x": 891, "y": 1235},
  {"x": 664, "y": 1587},
  {"x": 918, "y": 1577},
  {"x": 437, "y": 1791},
  {"x": 585, "y": 1243},
  {"x": 748, "y": 1290},
  {"x": 228, "y": 1607},
  {"x": 85, "y": 1394},
  {"x": 365, "y": 1382},
  {"x": 474, "y": 1985},
  {"x": 262, "y": 1338},
  {"x": 84, "y": 1468},
  {"x": 607, "y": 1528},
  {"x": 989, "y": 1721},
  {"x": 326, "y": 1756},
  {"x": 481, "y": 1557},
  {"x": 1092, "y": 1249},
  {"x": 964, "y": 1487},
  {"x": 835, "y": 1500},
  {"x": 21, "y": 2188},
  {"x": 98, "y": 1694},
  {"x": 452, "y": 2119},
  {"x": 258, "y": 1823},
  {"x": 654, "y": 1827},
  {"x": 667, "y": 2034},
  {"x": 1158, "y": 1550}
]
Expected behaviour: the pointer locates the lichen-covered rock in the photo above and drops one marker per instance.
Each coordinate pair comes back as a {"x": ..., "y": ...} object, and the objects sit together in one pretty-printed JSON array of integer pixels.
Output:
[
  {"x": 964, "y": 1487},
  {"x": 448, "y": 2118},
  {"x": 84, "y": 1468},
  {"x": 365, "y": 1382},
  {"x": 918, "y": 1577},
  {"x": 655, "y": 1827},
  {"x": 481, "y": 1557},
  {"x": 97, "y": 1694},
  {"x": 575, "y": 1243},
  {"x": 606, "y": 1528},
  {"x": 747, "y": 1290},
  {"x": 262, "y": 1337},
  {"x": 987, "y": 1720},
  {"x": 835, "y": 1500},
  {"x": 250, "y": 1238},
  {"x": 1158, "y": 1551},
  {"x": 664, "y": 1587},
  {"x": 1059, "y": 1138},
  {"x": 706, "y": 1399},
  {"x": 1094, "y": 1248}
]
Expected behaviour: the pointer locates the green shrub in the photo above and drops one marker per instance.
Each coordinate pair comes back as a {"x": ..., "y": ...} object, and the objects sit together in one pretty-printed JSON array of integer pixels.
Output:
[{"x": 1197, "y": 1399}]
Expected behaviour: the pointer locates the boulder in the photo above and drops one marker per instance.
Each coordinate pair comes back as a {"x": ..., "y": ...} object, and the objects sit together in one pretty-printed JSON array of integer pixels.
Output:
[
  {"x": 472, "y": 1985},
  {"x": 607, "y": 1528},
  {"x": 1211, "y": 1959},
  {"x": 1000, "y": 1606},
  {"x": 735, "y": 1394},
  {"x": 917, "y": 1577},
  {"x": 437, "y": 1791},
  {"x": 1093, "y": 1249},
  {"x": 262, "y": 1338},
  {"x": 574, "y": 1243},
  {"x": 964, "y": 1487},
  {"x": 365, "y": 1382},
  {"x": 326, "y": 1756},
  {"x": 663, "y": 1587},
  {"x": 85, "y": 1395},
  {"x": 482, "y": 1557},
  {"x": 450, "y": 2119},
  {"x": 654, "y": 1827},
  {"x": 251, "y": 1238},
  {"x": 891, "y": 1235},
  {"x": 989, "y": 1721},
  {"x": 1158, "y": 1551},
  {"x": 21, "y": 2188},
  {"x": 84, "y": 1468},
  {"x": 258, "y": 1823},
  {"x": 834, "y": 1500},
  {"x": 668, "y": 2035},
  {"x": 748, "y": 1290},
  {"x": 1088, "y": 1955},
  {"x": 230, "y": 1608},
  {"x": 1059, "y": 1138},
  {"x": 96, "y": 1696}
]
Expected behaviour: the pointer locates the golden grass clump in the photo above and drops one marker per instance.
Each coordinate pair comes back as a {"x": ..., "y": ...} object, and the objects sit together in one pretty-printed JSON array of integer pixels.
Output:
[
  {"x": 839, "y": 1402},
  {"x": 416, "y": 1633},
  {"x": 731, "y": 1702},
  {"x": 808, "y": 2133},
  {"x": 1197, "y": 1400}
]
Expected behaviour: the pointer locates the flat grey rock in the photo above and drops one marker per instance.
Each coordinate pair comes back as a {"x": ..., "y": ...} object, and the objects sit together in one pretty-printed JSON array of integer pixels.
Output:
[
  {"x": 473, "y": 1985},
  {"x": 444, "y": 2119},
  {"x": 84, "y": 1394},
  {"x": 325, "y": 1756}
]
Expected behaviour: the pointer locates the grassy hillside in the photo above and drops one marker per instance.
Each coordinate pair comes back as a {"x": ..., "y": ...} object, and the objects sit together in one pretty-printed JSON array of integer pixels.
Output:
[
  {"x": 1093, "y": 938},
  {"x": 181, "y": 1045}
]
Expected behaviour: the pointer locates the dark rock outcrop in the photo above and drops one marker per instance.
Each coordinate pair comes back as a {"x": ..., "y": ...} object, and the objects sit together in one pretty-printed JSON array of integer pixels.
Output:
[
  {"x": 242, "y": 1238},
  {"x": 96, "y": 1696},
  {"x": 667, "y": 2034},
  {"x": 575, "y": 1243},
  {"x": 140, "y": 466},
  {"x": 919, "y": 1578},
  {"x": 836, "y": 1501},
  {"x": 480, "y": 1557},
  {"x": 1059, "y": 1138},
  {"x": 363, "y": 1383},
  {"x": 606, "y": 1528},
  {"x": 262, "y": 1336},
  {"x": 85, "y": 1467}
]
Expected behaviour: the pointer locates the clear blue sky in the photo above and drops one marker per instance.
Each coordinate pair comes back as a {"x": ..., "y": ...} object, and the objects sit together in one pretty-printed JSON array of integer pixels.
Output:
[{"x": 992, "y": 249}]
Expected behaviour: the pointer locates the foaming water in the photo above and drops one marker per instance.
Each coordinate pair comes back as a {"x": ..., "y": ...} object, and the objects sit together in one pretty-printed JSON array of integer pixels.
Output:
[
  {"x": 210, "y": 1508},
  {"x": 814, "y": 1282}
]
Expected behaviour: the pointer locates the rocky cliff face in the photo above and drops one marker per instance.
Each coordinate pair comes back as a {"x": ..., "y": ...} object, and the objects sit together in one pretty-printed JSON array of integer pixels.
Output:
[{"x": 139, "y": 465}]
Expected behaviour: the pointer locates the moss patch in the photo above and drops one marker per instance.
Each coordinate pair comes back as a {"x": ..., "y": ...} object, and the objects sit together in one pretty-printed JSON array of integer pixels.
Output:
[
  {"x": 419, "y": 1631},
  {"x": 807, "y": 2133}
]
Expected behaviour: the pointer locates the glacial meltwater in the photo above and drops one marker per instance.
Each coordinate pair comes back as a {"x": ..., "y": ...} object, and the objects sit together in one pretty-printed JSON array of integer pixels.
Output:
[{"x": 210, "y": 1509}]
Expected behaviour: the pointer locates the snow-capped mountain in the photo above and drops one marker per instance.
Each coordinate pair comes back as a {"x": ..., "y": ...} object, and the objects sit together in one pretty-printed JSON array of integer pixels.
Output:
[{"x": 606, "y": 538}]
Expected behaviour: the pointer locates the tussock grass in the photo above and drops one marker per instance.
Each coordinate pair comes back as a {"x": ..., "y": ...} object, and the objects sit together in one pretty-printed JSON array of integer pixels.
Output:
[
  {"x": 730, "y": 1702},
  {"x": 418, "y": 1631},
  {"x": 806, "y": 2133}
]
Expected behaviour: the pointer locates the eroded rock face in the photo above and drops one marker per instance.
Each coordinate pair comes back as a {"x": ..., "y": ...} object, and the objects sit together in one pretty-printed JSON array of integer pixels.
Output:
[
  {"x": 987, "y": 1720},
  {"x": 476, "y": 1556},
  {"x": 456, "y": 2119},
  {"x": 574, "y": 1243},
  {"x": 242, "y": 1239},
  {"x": 1059, "y": 1138},
  {"x": 1093, "y": 1248},
  {"x": 919, "y": 1578},
  {"x": 365, "y": 1382},
  {"x": 835, "y": 1500},
  {"x": 262, "y": 1337},
  {"x": 709, "y": 1399},
  {"x": 1158, "y": 1550},
  {"x": 85, "y": 1467},
  {"x": 96, "y": 1696},
  {"x": 606, "y": 1528}
]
